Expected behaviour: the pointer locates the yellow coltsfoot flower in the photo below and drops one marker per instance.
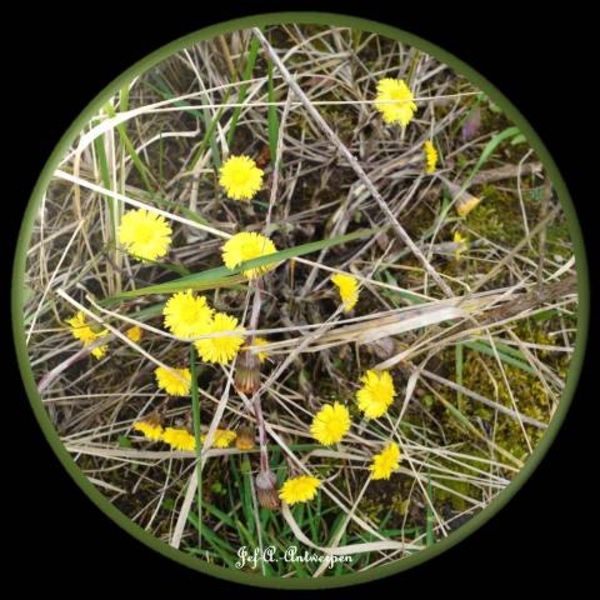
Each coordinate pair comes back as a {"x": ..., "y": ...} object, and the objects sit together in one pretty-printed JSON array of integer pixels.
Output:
[
  {"x": 179, "y": 439},
  {"x": 241, "y": 178},
  {"x": 462, "y": 244},
  {"x": 299, "y": 489},
  {"x": 223, "y": 438},
  {"x": 386, "y": 462},
  {"x": 258, "y": 341},
  {"x": 348, "y": 289},
  {"x": 150, "y": 427},
  {"x": 330, "y": 424},
  {"x": 81, "y": 330},
  {"x": 144, "y": 234},
  {"x": 186, "y": 314},
  {"x": 395, "y": 101},
  {"x": 135, "y": 333},
  {"x": 377, "y": 393},
  {"x": 221, "y": 350},
  {"x": 88, "y": 334},
  {"x": 246, "y": 246},
  {"x": 99, "y": 351},
  {"x": 431, "y": 157},
  {"x": 466, "y": 204},
  {"x": 175, "y": 382}
]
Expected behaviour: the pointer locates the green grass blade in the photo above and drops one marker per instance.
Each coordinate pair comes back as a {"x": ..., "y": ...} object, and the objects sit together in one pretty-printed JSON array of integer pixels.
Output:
[
  {"x": 489, "y": 150},
  {"x": 459, "y": 363},
  {"x": 221, "y": 276},
  {"x": 196, "y": 419},
  {"x": 162, "y": 88},
  {"x": 141, "y": 168},
  {"x": 503, "y": 353},
  {"x": 430, "y": 539},
  {"x": 106, "y": 182},
  {"x": 273, "y": 119},
  {"x": 252, "y": 54}
]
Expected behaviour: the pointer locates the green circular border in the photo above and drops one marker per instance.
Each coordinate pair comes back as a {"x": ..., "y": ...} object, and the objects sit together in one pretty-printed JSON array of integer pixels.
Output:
[{"x": 19, "y": 327}]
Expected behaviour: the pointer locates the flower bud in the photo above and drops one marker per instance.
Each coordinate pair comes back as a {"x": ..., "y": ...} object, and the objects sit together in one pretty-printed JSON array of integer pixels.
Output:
[{"x": 266, "y": 490}]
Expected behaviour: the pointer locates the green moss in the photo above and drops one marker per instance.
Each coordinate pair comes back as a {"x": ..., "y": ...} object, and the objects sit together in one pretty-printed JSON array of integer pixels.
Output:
[{"x": 529, "y": 395}]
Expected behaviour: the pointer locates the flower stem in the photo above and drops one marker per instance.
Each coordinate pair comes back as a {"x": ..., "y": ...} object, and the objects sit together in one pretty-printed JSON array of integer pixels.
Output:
[{"x": 260, "y": 421}]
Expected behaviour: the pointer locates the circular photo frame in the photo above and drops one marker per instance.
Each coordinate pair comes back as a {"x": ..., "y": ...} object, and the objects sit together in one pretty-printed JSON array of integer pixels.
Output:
[{"x": 300, "y": 300}]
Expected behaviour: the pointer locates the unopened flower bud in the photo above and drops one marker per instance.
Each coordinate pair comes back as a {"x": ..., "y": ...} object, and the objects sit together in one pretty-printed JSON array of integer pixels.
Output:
[{"x": 266, "y": 490}]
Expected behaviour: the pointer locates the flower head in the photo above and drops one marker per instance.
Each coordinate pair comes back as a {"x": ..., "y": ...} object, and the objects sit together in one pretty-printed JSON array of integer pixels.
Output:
[
  {"x": 240, "y": 177},
  {"x": 461, "y": 244},
  {"x": 258, "y": 342},
  {"x": 144, "y": 234},
  {"x": 466, "y": 203},
  {"x": 265, "y": 483},
  {"x": 330, "y": 424},
  {"x": 179, "y": 439},
  {"x": 223, "y": 349},
  {"x": 150, "y": 427},
  {"x": 99, "y": 351},
  {"x": 223, "y": 438},
  {"x": 135, "y": 333},
  {"x": 88, "y": 334},
  {"x": 186, "y": 314},
  {"x": 395, "y": 101},
  {"x": 348, "y": 289},
  {"x": 246, "y": 246},
  {"x": 81, "y": 330},
  {"x": 245, "y": 438},
  {"x": 431, "y": 157},
  {"x": 299, "y": 489},
  {"x": 386, "y": 462},
  {"x": 377, "y": 393},
  {"x": 175, "y": 382},
  {"x": 247, "y": 373}
]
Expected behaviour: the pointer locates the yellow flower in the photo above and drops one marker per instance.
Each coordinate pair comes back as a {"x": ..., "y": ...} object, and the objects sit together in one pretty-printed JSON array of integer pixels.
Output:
[
  {"x": 240, "y": 177},
  {"x": 466, "y": 203},
  {"x": 299, "y": 489},
  {"x": 186, "y": 314},
  {"x": 330, "y": 424},
  {"x": 81, "y": 330},
  {"x": 144, "y": 234},
  {"x": 135, "y": 333},
  {"x": 386, "y": 462},
  {"x": 223, "y": 349},
  {"x": 377, "y": 393},
  {"x": 348, "y": 289},
  {"x": 100, "y": 351},
  {"x": 395, "y": 101},
  {"x": 88, "y": 334},
  {"x": 223, "y": 438},
  {"x": 461, "y": 240},
  {"x": 179, "y": 439},
  {"x": 258, "y": 341},
  {"x": 150, "y": 427},
  {"x": 175, "y": 382},
  {"x": 431, "y": 157},
  {"x": 246, "y": 246}
]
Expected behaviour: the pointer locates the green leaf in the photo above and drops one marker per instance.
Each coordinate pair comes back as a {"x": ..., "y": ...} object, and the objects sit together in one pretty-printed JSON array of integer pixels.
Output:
[
  {"x": 222, "y": 276},
  {"x": 273, "y": 120},
  {"x": 505, "y": 353},
  {"x": 124, "y": 442},
  {"x": 252, "y": 54},
  {"x": 490, "y": 148}
]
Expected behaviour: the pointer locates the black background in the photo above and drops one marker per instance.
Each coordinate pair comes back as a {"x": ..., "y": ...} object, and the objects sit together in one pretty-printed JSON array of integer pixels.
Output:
[{"x": 61, "y": 61}]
